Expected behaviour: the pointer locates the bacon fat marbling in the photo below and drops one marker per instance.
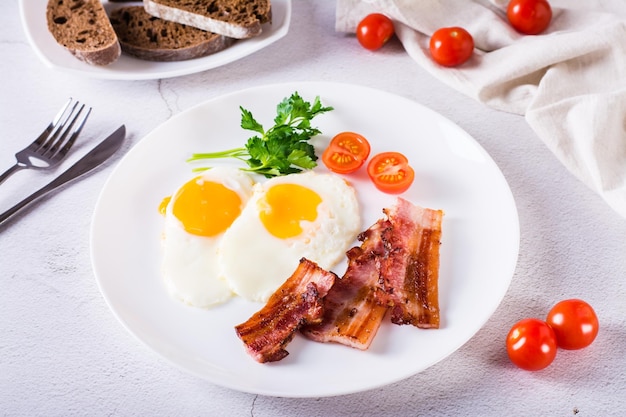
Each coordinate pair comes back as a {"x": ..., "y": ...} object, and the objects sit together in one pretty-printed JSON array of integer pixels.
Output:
[{"x": 297, "y": 302}]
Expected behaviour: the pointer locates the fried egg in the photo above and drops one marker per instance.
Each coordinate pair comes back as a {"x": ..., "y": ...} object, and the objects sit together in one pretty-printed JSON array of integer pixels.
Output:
[
  {"x": 196, "y": 218},
  {"x": 308, "y": 215}
]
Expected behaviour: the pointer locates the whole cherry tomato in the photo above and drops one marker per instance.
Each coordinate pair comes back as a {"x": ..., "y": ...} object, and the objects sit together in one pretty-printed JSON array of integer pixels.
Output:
[
  {"x": 530, "y": 17},
  {"x": 390, "y": 172},
  {"x": 451, "y": 46},
  {"x": 374, "y": 31},
  {"x": 574, "y": 322},
  {"x": 531, "y": 344},
  {"x": 346, "y": 152}
]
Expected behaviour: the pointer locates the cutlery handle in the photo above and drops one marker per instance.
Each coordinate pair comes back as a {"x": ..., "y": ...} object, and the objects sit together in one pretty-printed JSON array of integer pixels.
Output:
[
  {"x": 6, "y": 174},
  {"x": 95, "y": 157},
  {"x": 39, "y": 193}
]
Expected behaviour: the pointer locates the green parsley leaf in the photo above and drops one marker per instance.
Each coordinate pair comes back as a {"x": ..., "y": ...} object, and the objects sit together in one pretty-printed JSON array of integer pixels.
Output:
[{"x": 284, "y": 148}]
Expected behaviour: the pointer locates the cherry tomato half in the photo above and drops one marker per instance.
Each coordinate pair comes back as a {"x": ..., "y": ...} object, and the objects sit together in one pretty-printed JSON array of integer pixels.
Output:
[
  {"x": 574, "y": 322},
  {"x": 529, "y": 17},
  {"x": 374, "y": 31},
  {"x": 531, "y": 344},
  {"x": 451, "y": 46},
  {"x": 346, "y": 152},
  {"x": 390, "y": 172}
]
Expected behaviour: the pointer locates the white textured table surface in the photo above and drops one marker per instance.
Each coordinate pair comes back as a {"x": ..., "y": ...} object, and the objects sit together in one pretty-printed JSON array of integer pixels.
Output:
[{"x": 62, "y": 352}]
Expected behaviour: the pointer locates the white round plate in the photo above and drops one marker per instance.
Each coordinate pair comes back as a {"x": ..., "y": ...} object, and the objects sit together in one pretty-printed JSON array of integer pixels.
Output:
[
  {"x": 33, "y": 13},
  {"x": 480, "y": 241}
]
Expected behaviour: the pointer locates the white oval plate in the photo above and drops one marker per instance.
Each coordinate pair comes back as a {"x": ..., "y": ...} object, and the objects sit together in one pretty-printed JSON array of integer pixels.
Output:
[
  {"x": 479, "y": 249},
  {"x": 33, "y": 13}
]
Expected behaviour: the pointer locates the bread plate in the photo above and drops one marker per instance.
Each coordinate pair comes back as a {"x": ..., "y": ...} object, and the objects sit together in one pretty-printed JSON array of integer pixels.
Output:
[
  {"x": 33, "y": 15},
  {"x": 479, "y": 250}
]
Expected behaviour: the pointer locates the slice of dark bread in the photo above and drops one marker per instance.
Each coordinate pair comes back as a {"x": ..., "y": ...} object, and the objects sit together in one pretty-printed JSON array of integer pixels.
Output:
[
  {"x": 83, "y": 28},
  {"x": 147, "y": 37},
  {"x": 238, "y": 19}
]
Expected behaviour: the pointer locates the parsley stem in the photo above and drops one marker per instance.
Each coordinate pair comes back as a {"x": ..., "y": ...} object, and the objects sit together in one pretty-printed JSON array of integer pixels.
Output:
[{"x": 232, "y": 153}]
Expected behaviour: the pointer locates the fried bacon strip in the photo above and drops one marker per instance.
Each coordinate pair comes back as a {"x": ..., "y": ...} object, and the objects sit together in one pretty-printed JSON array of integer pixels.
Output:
[
  {"x": 410, "y": 269},
  {"x": 296, "y": 303},
  {"x": 352, "y": 314},
  {"x": 396, "y": 268}
]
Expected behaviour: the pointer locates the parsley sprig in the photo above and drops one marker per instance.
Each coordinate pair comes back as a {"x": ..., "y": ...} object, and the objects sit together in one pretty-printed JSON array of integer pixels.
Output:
[{"x": 282, "y": 149}]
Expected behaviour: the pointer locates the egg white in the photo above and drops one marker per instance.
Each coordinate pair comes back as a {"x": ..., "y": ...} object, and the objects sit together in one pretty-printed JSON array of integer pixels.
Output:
[
  {"x": 190, "y": 265},
  {"x": 255, "y": 263}
]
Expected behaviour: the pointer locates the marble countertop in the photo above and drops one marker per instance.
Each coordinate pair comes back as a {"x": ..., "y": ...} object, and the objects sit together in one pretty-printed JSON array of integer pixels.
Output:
[{"x": 63, "y": 352}]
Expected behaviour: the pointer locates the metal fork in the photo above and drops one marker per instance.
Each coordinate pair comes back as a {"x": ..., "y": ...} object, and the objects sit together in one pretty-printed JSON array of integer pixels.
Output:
[{"x": 54, "y": 142}]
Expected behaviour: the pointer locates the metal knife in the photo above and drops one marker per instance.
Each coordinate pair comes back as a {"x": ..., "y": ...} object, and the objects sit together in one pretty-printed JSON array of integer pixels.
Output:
[{"x": 95, "y": 157}]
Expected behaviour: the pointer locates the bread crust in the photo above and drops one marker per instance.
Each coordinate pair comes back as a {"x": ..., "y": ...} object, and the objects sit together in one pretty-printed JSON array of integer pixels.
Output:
[
  {"x": 83, "y": 28},
  {"x": 232, "y": 18},
  {"x": 147, "y": 37}
]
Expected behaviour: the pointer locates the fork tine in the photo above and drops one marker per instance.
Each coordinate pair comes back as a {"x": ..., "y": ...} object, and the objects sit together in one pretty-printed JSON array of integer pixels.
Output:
[
  {"x": 53, "y": 138},
  {"x": 53, "y": 144},
  {"x": 79, "y": 127},
  {"x": 42, "y": 137}
]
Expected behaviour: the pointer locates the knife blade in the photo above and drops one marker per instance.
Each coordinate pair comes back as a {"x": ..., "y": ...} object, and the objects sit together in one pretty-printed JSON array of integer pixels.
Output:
[{"x": 91, "y": 160}]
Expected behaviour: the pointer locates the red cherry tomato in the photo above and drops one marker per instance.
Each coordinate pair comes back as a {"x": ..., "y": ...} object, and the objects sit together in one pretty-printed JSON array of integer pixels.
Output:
[
  {"x": 374, "y": 31},
  {"x": 531, "y": 344},
  {"x": 346, "y": 153},
  {"x": 390, "y": 172},
  {"x": 574, "y": 322},
  {"x": 529, "y": 17},
  {"x": 451, "y": 46}
]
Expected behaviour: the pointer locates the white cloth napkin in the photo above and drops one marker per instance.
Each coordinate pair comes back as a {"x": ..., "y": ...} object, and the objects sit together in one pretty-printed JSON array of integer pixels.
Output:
[{"x": 569, "y": 82}]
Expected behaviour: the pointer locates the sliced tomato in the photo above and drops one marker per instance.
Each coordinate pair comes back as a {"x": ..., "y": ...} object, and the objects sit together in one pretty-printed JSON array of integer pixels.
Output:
[
  {"x": 346, "y": 153},
  {"x": 390, "y": 172}
]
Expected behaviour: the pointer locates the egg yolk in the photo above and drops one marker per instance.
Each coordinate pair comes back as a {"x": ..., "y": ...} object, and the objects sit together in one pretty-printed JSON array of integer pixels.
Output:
[
  {"x": 206, "y": 208},
  {"x": 284, "y": 206},
  {"x": 163, "y": 206}
]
